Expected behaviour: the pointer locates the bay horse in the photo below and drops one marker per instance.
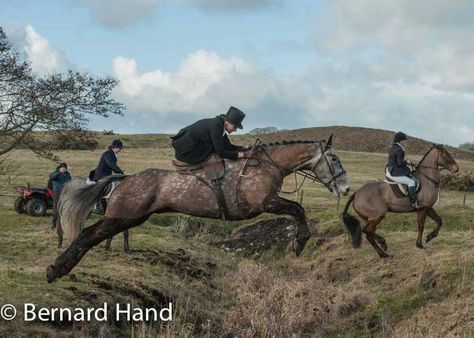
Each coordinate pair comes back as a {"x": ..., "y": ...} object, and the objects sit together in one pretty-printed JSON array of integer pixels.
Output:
[
  {"x": 249, "y": 190},
  {"x": 69, "y": 187},
  {"x": 374, "y": 199}
]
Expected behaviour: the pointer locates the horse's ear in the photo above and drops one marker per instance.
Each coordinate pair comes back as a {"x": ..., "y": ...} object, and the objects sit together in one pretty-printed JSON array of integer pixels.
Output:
[{"x": 329, "y": 142}]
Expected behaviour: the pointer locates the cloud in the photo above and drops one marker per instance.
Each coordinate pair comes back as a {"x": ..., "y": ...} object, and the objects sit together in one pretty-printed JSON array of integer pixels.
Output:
[
  {"x": 432, "y": 41},
  {"x": 327, "y": 93},
  {"x": 44, "y": 58},
  {"x": 229, "y": 4},
  {"x": 204, "y": 83},
  {"x": 118, "y": 13},
  {"x": 398, "y": 65},
  {"x": 121, "y": 13}
]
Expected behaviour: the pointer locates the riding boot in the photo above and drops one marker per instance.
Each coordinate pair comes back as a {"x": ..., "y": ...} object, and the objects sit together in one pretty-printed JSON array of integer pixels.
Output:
[{"x": 412, "y": 196}]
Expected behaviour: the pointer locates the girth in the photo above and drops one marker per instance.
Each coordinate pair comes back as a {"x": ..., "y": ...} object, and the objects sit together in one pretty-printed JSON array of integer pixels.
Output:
[{"x": 214, "y": 171}]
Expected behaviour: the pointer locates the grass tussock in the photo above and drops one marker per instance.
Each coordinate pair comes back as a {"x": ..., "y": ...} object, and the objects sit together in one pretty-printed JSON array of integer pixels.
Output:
[{"x": 268, "y": 304}]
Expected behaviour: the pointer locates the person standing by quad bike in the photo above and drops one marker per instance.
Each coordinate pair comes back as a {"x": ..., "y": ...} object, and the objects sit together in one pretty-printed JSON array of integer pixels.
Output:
[{"x": 60, "y": 176}]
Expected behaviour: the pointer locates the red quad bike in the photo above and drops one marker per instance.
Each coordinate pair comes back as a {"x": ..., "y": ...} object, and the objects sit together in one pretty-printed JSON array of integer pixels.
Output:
[{"x": 33, "y": 201}]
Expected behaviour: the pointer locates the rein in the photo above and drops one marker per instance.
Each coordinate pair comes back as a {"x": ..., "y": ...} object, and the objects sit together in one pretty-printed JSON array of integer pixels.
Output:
[
  {"x": 432, "y": 180},
  {"x": 305, "y": 173}
]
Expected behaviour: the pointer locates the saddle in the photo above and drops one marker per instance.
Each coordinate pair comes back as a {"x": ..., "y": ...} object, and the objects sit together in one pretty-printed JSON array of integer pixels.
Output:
[
  {"x": 213, "y": 168},
  {"x": 214, "y": 171},
  {"x": 101, "y": 205},
  {"x": 401, "y": 190}
]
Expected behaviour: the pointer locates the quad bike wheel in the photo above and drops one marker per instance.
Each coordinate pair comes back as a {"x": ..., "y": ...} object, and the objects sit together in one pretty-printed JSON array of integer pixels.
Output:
[
  {"x": 36, "y": 207},
  {"x": 19, "y": 205}
]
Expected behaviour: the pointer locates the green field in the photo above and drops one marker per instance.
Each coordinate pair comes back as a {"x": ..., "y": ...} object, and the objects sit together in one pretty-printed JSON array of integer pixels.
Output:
[{"x": 331, "y": 290}]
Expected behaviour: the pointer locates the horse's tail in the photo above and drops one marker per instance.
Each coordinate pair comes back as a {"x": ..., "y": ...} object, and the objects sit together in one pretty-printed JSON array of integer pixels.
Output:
[
  {"x": 352, "y": 224},
  {"x": 75, "y": 206}
]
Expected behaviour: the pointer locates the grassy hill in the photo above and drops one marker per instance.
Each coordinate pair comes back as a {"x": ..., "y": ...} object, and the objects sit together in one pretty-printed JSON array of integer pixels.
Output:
[{"x": 331, "y": 290}]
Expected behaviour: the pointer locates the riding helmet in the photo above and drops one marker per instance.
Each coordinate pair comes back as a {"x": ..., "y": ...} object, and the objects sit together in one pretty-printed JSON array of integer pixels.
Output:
[{"x": 400, "y": 136}]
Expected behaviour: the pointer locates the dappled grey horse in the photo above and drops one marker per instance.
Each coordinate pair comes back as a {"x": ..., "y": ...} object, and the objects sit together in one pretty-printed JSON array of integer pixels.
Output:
[{"x": 250, "y": 188}]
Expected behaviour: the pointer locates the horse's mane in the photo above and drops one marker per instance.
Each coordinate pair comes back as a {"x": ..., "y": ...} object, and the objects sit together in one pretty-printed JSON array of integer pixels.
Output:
[
  {"x": 286, "y": 142},
  {"x": 437, "y": 146}
]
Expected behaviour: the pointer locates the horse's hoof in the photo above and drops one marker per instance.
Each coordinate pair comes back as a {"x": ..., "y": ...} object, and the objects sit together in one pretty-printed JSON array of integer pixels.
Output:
[
  {"x": 298, "y": 247},
  {"x": 51, "y": 273},
  {"x": 419, "y": 246}
]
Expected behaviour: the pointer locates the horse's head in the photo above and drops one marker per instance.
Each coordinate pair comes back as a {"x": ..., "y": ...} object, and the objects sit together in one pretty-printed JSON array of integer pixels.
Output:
[
  {"x": 328, "y": 168},
  {"x": 445, "y": 160}
]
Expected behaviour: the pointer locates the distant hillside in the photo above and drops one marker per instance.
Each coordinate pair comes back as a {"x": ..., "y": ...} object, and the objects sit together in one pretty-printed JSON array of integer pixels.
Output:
[
  {"x": 266, "y": 130},
  {"x": 359, "y": 139}
]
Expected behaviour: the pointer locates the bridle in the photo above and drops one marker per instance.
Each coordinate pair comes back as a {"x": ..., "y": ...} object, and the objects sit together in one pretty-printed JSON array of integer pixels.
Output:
[
  {"x": 436, "y": 182},
  {"x": 306, "y": 173}
]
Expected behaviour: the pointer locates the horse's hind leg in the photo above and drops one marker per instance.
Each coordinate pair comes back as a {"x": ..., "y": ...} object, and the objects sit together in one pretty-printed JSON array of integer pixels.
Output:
[
  {"x": 60, "y": 232},
  {"x": 126, "y": 246},
  {"x": 381, "y": 241},
  {"x": 89, "y": 237},
  {"x": 421, "y": 217},
  {"x": 282, "y": 206},
  {"x": 371, "y": 236},
  {"x": 107, "y": 244},
  {"x": 439, "y": 222}
]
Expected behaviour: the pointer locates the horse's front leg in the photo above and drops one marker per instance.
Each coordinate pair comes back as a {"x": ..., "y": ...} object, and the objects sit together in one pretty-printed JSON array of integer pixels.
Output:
[
  {"x": 126, "y": 246},
  {"x": 421, "y": 217},
  {"x": 439, "y": 222},
  {"x": 282, "y": 206}
]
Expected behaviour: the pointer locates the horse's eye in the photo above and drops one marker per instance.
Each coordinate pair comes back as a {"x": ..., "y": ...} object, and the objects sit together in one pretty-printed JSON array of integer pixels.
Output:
[{"x": 334, "y": 158}]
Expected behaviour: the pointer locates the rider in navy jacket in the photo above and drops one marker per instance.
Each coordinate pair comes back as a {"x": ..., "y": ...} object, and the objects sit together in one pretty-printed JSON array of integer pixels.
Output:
[
  {"x": 397, "y": 168},
  {"x": 108, "y": 162},
  {"x": 397, "y": 165}
]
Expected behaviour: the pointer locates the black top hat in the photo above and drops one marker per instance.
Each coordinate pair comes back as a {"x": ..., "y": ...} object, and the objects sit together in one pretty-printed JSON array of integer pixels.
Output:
[
  {"x": 117, "y": 144},
  {"x": 235, "y": 116},
  {"x": 400, "y": 136}
]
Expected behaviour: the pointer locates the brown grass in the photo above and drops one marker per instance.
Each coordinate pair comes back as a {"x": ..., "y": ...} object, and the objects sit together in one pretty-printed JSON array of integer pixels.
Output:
[{"x": 332, "y": 290}]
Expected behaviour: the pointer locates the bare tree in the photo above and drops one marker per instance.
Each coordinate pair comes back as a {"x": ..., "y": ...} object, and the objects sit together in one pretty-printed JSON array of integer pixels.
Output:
[{"x": 56, "y": 103}]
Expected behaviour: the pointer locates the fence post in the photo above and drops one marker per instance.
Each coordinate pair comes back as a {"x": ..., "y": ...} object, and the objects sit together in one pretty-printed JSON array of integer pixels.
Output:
[{"x": 464, "y": 199}]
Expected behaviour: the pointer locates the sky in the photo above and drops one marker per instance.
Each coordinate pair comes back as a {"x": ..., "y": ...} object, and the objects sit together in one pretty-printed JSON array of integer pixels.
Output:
[{"x": 395, "y": 65}]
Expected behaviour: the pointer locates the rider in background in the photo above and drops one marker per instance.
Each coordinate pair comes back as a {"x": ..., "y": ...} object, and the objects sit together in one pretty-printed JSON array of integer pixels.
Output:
[
  {"x": 397, "y": 168},
  {"x": 107, "y": 165},
  {"x": 108, "y": 162},
  {"x": 58, "y": 178},
  {"x": 197, "y": 142}
]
